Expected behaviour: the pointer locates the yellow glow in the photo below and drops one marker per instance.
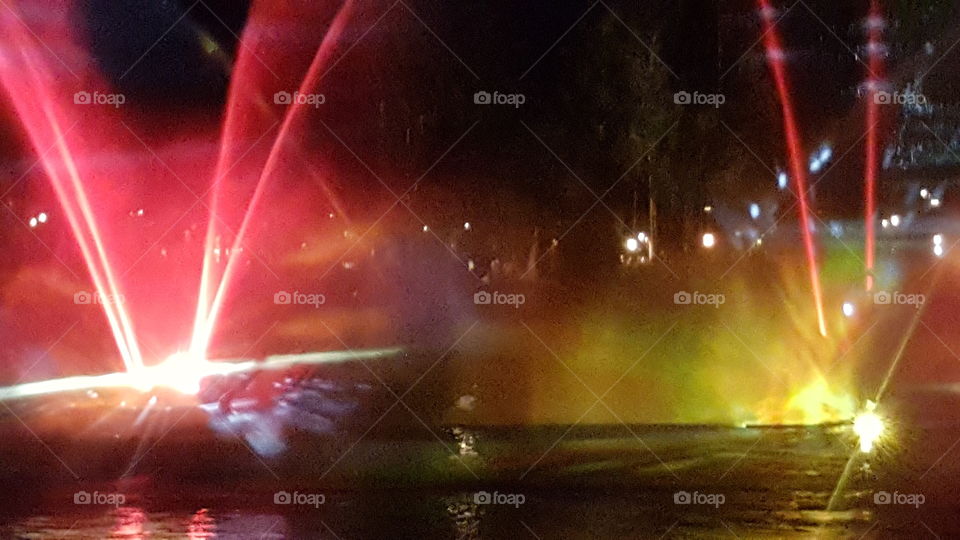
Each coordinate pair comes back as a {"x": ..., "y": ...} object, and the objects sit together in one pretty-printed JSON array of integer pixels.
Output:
[
  {"x": 869, "y": 427},
  {"x": 817, "y": 403}
]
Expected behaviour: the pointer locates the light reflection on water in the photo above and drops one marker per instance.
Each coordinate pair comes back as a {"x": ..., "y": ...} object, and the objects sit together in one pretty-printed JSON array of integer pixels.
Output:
[{"x": 133, "y": 523}]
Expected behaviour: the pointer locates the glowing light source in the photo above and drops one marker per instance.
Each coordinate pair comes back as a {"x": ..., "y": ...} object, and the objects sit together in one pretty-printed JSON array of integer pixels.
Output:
[
  {"x": 754, "y": 210},
  {"x": 709, "y": 240},
  {"x": 935, "y": 202},
  {"x": 937, "y": 239},
  {"x": 42, "y": 217},
  {"x": 466, "y": 226},
  {"x": 924, "y": 193},
  {"x": 33, "y": 222},
  {"x": 825, "y": 153},
  {"x": 179, "y": 371},
  {"x": 895, "y": 220},
  {"x": 631, "y": 244},
  {"x": 782, "y": 180},
  {"x": 642, "y": 236},
  {"x": 848, "y": 309},
  {"x": 869, "y": 427},
  {"x": 938, "y": 250}
]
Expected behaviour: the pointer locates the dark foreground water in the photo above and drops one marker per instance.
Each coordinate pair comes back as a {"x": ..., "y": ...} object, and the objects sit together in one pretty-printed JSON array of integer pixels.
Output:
[{"x": 546, "y": 482}]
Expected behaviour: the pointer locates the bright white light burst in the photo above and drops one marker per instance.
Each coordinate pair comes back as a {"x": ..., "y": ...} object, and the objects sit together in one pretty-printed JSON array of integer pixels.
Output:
[{"x": 869, "y": 427}]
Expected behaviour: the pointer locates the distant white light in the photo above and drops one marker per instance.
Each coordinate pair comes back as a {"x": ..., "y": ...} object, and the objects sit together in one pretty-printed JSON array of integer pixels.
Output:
[
  {"x": 938, "y": 239},
  {"x": 782, "y": 180},
  {"x": 924, "y": 193},
  {"x": 848, "y": 309},
  {"x": 825, "y": 153},
  {"x": 466, "y": 226},
  {"x": 895, "y": 220},
  {"x": 42, "y": 217},
  {"x": 885, "y": 223},
  {"x": 642, "y": 236},
  {"x": 935, "y": 202},
  {"x": 631, "y": 244},
  {"x": 709, "y": 240},
  {"x": 708, "y": 209},
  {"x": 426, "y": 228},
  {"x": 33, "y": 222},
  {"x": 754, "y": 210},
  {"x": 938, "y": 250},
  {"x": 816, "y": 165}
]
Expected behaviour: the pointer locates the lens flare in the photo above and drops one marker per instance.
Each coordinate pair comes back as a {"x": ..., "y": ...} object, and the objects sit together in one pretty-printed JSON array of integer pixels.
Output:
[{"x": 869, "y": 427}]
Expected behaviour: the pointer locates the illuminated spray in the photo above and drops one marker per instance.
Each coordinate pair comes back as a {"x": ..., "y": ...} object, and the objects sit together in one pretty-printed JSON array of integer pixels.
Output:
[
  {"x": 28, "y": 87},
  {"x": 207, "y": 316}
]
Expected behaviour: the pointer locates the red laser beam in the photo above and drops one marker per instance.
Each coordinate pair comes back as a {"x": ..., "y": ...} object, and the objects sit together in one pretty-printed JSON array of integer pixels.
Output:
[
  {"x": 875, "y": 24},
  {"x": 776, "y": 60}
]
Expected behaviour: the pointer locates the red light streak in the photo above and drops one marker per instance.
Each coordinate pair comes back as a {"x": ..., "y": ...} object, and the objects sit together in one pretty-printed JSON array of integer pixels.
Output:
[{"x": 776, "y": 59}]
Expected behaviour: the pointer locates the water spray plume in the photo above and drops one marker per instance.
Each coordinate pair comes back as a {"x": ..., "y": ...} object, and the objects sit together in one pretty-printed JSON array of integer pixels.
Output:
[
  {"x": 776, "y": 60},
  {"x": 29, "y": 89},
  {"x": 320, "y": 60}
]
